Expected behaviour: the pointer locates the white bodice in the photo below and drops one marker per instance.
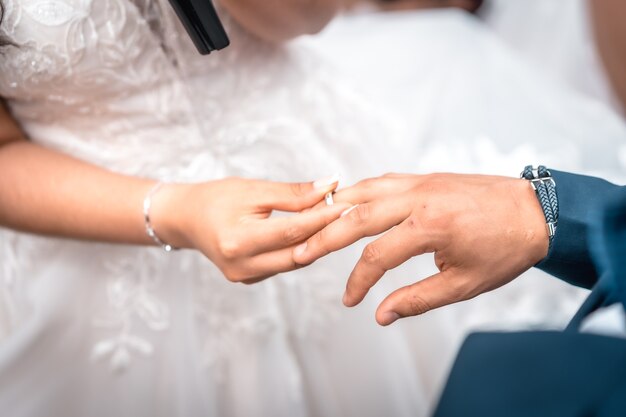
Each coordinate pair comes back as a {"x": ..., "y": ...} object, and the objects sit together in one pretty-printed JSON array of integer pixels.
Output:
[
  {"x": 118, "y": 83},
  {"x": 92, "y": 78}
]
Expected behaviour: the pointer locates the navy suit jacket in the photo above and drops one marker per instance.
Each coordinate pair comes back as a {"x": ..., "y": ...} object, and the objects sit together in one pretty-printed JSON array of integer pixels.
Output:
[{"x": 557, "y": 373}]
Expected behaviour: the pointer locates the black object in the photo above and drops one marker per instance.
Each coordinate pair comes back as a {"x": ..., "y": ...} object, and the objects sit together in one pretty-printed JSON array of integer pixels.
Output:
[{"x": 202, "y": 23}]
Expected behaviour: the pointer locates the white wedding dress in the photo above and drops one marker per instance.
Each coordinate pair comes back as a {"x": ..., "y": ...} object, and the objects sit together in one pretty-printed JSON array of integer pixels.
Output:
[{"x": 91, "y": 329}]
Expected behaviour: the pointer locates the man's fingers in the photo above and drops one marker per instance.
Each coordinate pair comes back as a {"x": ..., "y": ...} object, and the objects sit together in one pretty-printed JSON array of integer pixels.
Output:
[
  {"x": 376, "y": 188},
  {"x": 363, "y": 220},
  {"x": 436, "y": 291},
  {"x": 389, "y": 251},
  {"x": 281, "y": 232},
  {"x": 293, "y": 196}
]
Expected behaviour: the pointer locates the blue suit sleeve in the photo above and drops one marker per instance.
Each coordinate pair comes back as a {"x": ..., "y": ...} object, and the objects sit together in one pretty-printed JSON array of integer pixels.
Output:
[{"x": 581, "y": 198}]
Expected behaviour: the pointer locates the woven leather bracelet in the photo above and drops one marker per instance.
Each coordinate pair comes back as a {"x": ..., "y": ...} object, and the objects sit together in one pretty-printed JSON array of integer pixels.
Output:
[{"x": 545, "y": 188}]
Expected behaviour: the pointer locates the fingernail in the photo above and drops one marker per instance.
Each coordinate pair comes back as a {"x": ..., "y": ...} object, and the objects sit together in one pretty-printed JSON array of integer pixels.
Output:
[
  {"x": 389, "y": 317},
  {"x": 300, "y": 249},
  {"x": 326, "y": 182},
  {"x": 346, "y": 211}
]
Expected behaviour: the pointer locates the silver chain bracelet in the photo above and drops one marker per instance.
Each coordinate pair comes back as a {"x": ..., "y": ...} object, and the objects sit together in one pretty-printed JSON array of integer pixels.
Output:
[{"x": 147, "y": 203}]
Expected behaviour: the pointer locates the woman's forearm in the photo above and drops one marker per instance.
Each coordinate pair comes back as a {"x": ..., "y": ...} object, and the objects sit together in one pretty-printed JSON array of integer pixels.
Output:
[
  {"x": 46, "y": 192},
  {"x": 229, "y": 220},
  {"x": 610, "y": 33},
  {"x": 280, "y": 20}
]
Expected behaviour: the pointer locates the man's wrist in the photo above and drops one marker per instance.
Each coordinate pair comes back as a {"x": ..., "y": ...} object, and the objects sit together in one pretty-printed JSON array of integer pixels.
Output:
[
  {"x": 544, "y": 186},
  {"x": 536, "y": 232}
]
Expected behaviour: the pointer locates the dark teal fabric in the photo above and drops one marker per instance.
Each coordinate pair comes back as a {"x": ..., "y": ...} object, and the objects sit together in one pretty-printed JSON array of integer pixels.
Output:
[
  {"x": 581, "y": 201},
  {"x": 608, "y": 246},
  {"x": 536, "y": 374},
  {"x": 557, "y": 373}
]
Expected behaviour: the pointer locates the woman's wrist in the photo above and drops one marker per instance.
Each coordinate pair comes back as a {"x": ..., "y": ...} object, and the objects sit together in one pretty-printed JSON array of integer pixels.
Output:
[{"x": 169, "y": 216}]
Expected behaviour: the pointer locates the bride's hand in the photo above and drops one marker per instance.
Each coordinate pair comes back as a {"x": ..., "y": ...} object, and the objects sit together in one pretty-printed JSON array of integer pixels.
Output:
[{"x": 229, "y": 221}]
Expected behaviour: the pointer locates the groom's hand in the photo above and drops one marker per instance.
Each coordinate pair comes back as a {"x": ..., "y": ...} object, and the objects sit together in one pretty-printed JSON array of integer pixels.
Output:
[{"x": 483, "y": 230}]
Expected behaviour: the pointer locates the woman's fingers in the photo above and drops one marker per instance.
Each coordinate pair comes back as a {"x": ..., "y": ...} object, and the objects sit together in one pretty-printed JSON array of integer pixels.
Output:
[
  {"x": 265, "y": 235},
  {"x": 261, "y": 267},
  {"x": 292, "y": 196},
  {"x": 389, "y": 251},
  {"x": 363, "y": 220}
]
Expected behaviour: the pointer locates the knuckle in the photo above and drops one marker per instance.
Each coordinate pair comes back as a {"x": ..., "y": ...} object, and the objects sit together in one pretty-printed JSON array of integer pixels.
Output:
[
  {"x": 439, "y": 184},
  {"x": 417, "y": 305},
  {"x": 360, "y": 214},
  {"x": 430, "y": 185},
  {"x": 229, "y": 249},
  {"x": 298, "y": 189},
  {"x": 293, "y": 234},
  {"x": 371, "y": 254}
]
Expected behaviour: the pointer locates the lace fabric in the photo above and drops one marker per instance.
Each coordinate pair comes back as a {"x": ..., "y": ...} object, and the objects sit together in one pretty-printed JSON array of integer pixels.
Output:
[
  {"x": 97, "y": 79},
  {"x": 118, "y": 83}
]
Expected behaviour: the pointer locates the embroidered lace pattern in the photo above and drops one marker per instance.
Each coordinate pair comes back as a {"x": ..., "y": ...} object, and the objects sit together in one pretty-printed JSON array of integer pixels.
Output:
[{"x": 117, "y": 83}]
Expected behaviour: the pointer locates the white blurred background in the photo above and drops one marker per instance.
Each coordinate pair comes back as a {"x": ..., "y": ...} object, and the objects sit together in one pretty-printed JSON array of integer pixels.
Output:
[{"x": 516, "y": 83}]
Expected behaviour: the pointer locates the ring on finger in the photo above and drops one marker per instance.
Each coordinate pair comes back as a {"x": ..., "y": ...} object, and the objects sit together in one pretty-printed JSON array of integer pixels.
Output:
[{"x": 328, "y": 198}]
